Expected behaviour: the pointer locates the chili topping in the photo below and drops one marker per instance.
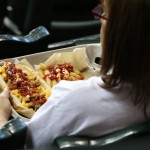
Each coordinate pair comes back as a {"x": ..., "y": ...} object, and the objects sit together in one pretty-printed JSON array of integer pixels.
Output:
[{"x": 22, "y": 84}]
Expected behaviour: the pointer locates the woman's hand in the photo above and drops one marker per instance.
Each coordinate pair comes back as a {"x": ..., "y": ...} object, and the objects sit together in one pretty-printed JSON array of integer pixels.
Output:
[{"x": 5, "y": 107}]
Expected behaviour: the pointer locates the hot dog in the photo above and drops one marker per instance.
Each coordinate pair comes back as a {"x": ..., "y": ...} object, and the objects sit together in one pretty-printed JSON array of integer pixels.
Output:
[{"x": 28, "y": 91}]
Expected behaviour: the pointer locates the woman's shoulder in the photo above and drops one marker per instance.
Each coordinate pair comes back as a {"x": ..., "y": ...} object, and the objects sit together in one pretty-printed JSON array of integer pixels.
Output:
[
  {"x": 73, "y": 89},
  {"x": 64, "y": 87},
  {"x": 78, "y": 84}
]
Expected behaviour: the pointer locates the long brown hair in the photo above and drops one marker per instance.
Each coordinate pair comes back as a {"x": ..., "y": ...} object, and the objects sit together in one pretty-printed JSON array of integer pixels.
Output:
[{"x": 126, "y": 49}]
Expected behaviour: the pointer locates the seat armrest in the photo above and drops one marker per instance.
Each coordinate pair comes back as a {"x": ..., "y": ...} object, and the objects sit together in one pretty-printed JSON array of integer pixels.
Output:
[
  {"x": 5, "y": 138},
  {"x": 71, "y": 142},
  {"x": 35, "y": 41},
  {"x": 33, "y": 35},
  {"x": 75, "y": 42},
  {"x": 136, "y": 137},
  {"x": 13, "y": 134}
]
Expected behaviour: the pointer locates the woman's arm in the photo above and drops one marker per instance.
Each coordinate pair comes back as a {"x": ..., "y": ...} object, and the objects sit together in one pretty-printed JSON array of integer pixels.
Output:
[{"x": 5, "y": 107}]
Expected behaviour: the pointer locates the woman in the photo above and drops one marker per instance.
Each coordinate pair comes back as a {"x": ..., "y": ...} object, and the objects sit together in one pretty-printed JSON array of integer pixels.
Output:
[{"x": 117, "y": 99}]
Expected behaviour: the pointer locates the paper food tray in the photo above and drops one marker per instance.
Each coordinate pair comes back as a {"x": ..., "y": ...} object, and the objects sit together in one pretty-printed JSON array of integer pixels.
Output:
[{"x": 92, "y": 51}]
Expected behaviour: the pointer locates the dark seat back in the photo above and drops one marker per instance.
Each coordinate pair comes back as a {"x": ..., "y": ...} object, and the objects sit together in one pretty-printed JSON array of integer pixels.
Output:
[
  {"x": 73, "y": 19},
  {"x": 64, "y": 19}
]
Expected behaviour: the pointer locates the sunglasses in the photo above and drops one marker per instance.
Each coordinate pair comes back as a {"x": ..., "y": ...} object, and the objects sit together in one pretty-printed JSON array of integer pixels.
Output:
[{"x": 98, "y": 12}]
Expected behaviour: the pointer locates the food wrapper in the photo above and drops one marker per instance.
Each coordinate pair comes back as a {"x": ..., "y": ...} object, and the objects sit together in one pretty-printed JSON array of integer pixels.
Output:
[
  {"x": 18, "y": 109},
  {"x": 76, "y": 58}
]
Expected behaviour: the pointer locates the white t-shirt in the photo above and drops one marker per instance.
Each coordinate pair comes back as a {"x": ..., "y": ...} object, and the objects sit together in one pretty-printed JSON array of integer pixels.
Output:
[{"x": 82, "y": 108}]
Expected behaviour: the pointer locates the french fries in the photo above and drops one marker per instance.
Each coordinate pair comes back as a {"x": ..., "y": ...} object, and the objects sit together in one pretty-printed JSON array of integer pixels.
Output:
[
  {"x": 28, "y": 91},
  {"x": 53, "y": 74}
]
